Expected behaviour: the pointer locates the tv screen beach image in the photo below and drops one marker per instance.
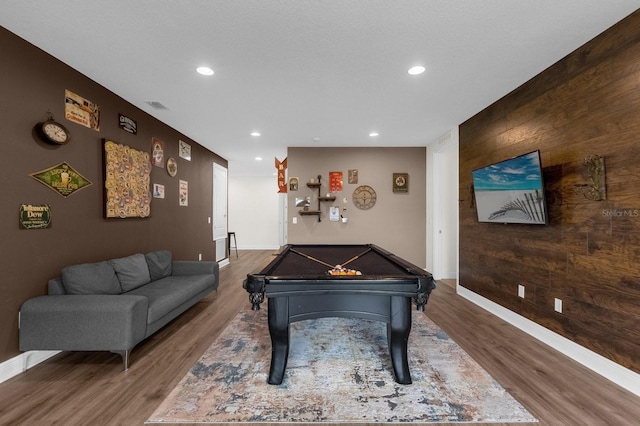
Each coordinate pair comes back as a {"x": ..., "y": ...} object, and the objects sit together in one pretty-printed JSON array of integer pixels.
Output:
[{"x": 511, "y": 191}]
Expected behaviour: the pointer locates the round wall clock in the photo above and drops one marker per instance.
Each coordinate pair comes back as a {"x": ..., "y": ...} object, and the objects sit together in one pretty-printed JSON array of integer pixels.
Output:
[
  {"x": 364, "y": 197},
  {"x": 53, "y": 132}
]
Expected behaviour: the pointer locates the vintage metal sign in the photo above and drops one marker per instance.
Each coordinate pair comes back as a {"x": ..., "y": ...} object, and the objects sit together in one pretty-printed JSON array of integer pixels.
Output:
[
  {"x": 35, "y": 216},
  {"x": 61, "y": 178},
  {"x": 281, "y": 167},
  {"x": 127, "y": 124}
]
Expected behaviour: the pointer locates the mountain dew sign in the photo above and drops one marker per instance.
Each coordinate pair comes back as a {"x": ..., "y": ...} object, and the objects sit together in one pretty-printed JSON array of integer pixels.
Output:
[{"x": 35, "y": 216}]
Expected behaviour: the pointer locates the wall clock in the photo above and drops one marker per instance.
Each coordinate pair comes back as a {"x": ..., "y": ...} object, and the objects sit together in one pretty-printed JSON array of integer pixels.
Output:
[
  {"x": 364, "y": 197},
  {"x": 53, "y": 132}
]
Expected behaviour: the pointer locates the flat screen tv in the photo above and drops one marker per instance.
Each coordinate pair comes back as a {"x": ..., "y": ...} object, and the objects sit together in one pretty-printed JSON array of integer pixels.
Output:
[{"x": 511, "y": 191}]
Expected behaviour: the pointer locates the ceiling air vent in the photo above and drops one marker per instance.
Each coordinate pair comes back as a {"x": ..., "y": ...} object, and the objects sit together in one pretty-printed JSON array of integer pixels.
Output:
[{"x": 156, "y": 104}]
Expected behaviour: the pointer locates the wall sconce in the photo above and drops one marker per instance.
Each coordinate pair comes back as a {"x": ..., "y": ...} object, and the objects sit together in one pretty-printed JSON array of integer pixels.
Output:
[{"x": 596, "y": 190}]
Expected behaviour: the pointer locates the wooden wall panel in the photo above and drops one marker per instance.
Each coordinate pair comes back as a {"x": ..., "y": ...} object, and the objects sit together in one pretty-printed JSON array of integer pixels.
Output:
[{"x": 589, "y": 253}]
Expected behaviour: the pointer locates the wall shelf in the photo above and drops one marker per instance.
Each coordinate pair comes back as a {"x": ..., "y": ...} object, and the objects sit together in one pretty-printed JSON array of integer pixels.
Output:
[{"x": 318, "y": 186}]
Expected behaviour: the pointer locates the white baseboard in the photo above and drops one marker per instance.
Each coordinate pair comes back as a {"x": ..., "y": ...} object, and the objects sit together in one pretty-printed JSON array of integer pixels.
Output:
[
  {"x": 16, "y": 365},
  {"x": 621, "y": 376}
]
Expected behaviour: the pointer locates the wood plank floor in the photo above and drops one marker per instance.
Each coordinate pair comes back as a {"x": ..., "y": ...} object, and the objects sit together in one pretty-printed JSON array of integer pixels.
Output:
[{"x": 84, "y": 388}]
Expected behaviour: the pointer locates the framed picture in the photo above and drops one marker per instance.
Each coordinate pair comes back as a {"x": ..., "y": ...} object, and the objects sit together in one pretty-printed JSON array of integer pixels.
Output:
[
  {"x": 127, "y": 179},
  {"x": 293, "y": 183},
  {"x": 158, "y": 190},
  {"x": 183, "y": 198},
  {"x": 157, "y": 152},
  {"x": 185, "y": 150},
  {"x": 353, "y": 176},
  {"x": 401, "y": 182}
]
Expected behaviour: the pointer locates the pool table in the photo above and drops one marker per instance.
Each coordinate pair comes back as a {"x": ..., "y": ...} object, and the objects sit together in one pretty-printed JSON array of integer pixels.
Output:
[{"x": 299, "y": 286}]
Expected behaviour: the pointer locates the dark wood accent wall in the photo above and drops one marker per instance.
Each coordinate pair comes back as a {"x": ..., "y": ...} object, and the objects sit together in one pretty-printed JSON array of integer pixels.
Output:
[
  {"x": 32, "y": 82},
  {"x": 589, "y": 254}
]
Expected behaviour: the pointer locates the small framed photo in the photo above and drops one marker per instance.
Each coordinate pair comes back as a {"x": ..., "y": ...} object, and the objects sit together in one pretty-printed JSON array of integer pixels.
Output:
[
  {"x": 401, "y": 182},
  {"x": 158, "y": 190},
  {"x": 353, "y": 176},
  {"x": 293, "y": 183}
]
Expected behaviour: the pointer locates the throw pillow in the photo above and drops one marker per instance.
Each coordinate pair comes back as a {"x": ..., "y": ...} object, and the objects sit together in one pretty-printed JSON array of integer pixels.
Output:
[
  {"x": 90, "y": 278},
  {"x": 159, "y": 264},
  {"x": 132, "y": 271}
]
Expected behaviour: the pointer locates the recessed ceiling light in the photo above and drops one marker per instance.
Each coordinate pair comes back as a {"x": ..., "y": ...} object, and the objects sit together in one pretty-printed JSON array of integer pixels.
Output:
[
  {"x": 204, "y": 70},
  {"x": 374, "y": 134},
  {"x": 418, "y": 69},
  {"x": 258, "y": 158},
  {"x": 255, "y": 133}
]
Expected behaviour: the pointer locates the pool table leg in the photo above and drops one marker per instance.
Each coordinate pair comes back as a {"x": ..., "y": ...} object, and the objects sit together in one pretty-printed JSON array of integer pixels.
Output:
[
  {"x": 279, "y": 330},
  {"x": 398, "y": 331}
]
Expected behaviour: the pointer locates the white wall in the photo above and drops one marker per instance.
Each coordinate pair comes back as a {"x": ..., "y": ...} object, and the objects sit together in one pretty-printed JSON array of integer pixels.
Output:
[{"x": 254, "y": 212}]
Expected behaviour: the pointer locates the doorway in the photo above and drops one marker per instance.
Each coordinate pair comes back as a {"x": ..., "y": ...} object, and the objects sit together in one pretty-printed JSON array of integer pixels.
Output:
[{"x": 442, "y": 207}]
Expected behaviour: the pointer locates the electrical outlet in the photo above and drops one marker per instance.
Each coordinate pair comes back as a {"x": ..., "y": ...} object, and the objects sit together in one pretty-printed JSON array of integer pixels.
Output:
[
  {"x": 521, "y": 291},
  {"x": 294, "y": 220},
  {"x": 557, "y": 305},
  {"x": 209, "y": 220},
  {"x": 200, "y": 256}
]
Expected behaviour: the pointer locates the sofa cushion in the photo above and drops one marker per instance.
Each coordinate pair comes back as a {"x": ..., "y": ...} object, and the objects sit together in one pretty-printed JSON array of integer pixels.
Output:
[
  {"x": 159, "y": 263},
  {"x": 132, "y": 271},
  {"x": 169, "y": 293},
  {"x": 90, "y": 278}
]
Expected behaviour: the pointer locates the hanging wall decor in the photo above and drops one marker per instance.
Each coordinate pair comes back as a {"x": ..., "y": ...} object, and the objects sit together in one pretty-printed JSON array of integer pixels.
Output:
[
  {"x": 184, "y": 150},
  {"x": 35, "y": 216},
  {"x": 81, "y": 111},
  {"x": 61, "y": 178},
  {"x": 401, "y": 182},
  {"x": 335, "y": 182},
  {"x": 594, "y": 171},
  {"x": 157, "y": 152},
  {"x": 184, "y": 193},
  {"x": 353, "y": 176},
  {"x": 127, "y": 124},
  {"x": 281, "y": 168},
  {"x": 127, "y": 180},
  {"x": 172, "y": 167}
]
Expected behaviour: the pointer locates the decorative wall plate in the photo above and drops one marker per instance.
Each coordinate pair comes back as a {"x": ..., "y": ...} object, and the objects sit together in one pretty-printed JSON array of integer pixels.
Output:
[{"x": 172, "y": 167}]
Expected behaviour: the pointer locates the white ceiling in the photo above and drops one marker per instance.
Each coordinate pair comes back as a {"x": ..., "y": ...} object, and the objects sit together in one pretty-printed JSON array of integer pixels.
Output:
[{"x": 301, "y": 70}]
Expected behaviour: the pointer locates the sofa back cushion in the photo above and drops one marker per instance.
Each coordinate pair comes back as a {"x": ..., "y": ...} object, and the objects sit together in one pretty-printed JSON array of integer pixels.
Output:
[
  {"x": 132, "y": 271},
  {"x": 159, "y": 264},
  {"x": 90, "y": 278}
]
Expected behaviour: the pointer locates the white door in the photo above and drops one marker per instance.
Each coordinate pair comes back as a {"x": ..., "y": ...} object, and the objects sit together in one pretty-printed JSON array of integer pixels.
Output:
[
  {"x": 220, "y": 209},
  {"x": 446, "y": 215}
]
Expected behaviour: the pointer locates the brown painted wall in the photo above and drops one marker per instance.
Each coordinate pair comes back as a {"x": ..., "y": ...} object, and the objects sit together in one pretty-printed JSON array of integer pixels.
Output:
[
  {"x": 31, "y": 83},
  {"x": 589, "y": 254},
  {"x": 396, "y": 222}
]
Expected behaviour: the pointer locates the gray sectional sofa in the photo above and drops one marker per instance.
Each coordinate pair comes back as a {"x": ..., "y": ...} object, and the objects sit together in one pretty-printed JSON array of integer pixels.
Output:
[{"x": 115, "y": 304}]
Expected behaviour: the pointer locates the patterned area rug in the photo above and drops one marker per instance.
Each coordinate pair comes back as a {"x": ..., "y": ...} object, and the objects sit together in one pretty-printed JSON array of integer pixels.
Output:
[{"x": 339, "y": 370}]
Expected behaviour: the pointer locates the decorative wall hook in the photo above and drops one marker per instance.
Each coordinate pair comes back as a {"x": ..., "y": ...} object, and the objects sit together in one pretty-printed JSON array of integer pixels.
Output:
[{"x": 596, "y": 190}]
